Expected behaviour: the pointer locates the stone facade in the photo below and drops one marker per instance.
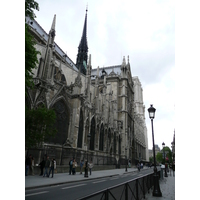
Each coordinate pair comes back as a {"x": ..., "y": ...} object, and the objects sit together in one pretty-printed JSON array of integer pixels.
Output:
[
  {"x": 100, "y": 114},
  {"x": 157, "y": 149},
  {"x": 141, "y": 138}
]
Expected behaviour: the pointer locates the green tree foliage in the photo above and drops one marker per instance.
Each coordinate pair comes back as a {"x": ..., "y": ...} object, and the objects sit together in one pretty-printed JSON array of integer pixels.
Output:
[
  {"x": 39, "y": 126},
  {"x": 151, "y": 159},
  {"x": 29, "y": 6},
  {"x": 168, "y": 154},
  {"x": 39, "y": 123},
  {"x": 159, "y": 157},
  {"x": 30, "y": 51}
]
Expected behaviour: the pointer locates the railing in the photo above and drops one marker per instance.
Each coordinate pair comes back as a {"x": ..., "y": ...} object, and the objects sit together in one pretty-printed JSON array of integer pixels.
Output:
[{"x": 134, "y": 189}]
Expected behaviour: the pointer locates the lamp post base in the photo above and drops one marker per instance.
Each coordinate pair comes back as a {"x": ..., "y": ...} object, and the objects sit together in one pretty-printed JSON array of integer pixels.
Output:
[
  {"x": 156, "y": 188},
  {"x": 166, "y": 173},
  {"x": 86, "y": 172}
]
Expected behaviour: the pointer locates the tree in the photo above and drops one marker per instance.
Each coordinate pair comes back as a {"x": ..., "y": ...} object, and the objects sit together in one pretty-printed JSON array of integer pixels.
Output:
[
  {"x": 159, "y": 157},
  {"x": 30, "y": 51},
  {"x": 39, "y": 126},
  {"x": 168, "y": 155},
  {"x": 151, "y": 159},
  {"x": 40, "y": 122}
]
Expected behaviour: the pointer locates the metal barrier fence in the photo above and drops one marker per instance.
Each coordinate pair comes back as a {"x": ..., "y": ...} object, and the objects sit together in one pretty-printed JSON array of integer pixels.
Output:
[{"x": 134, "y": 189}]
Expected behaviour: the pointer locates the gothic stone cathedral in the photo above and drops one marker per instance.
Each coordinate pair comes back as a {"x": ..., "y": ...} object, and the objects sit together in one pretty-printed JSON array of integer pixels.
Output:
[{"x": 99, "y": 112}]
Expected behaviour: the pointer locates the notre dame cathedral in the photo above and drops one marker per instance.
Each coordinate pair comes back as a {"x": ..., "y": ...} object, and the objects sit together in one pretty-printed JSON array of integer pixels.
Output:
[{"x": 100, "y": 113}]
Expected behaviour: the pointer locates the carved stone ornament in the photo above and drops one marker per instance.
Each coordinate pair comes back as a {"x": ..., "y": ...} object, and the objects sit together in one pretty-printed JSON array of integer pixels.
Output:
[
  {"x": 67, "y": 143},
  {"x": 78, "y": 81}
]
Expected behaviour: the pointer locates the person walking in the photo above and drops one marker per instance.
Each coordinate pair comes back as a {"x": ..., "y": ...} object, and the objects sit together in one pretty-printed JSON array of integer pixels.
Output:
[
  {"x": 42, "y": 164},
  {"x": 90, "y": 165},
  {"x": 74, "y": 167},
  {"x": 53, "y": 166},
  {"x": 47, "y": 164},
  {"x": 32, "y": 166},
  {"x": 141, "y": 165},
  {"x": 70, "y": 166},
  {"x": 27, "y": 164},
  {"x": 138, "y": 166},
  {"x": 81, "y": 166}
]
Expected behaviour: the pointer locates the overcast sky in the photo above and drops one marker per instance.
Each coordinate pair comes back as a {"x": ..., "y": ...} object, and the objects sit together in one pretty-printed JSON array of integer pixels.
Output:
[{"x": 144, "y": 30}]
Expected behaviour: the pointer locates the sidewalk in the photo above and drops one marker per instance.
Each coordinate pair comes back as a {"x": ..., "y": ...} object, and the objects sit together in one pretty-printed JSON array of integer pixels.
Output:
[
  {"x": 167, "y": 184},
  {"x": 167, "y": 187},
  {"x": 61, "y": 178}
]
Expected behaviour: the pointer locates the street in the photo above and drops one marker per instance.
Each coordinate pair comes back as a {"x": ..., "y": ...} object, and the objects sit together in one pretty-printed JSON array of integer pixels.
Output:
[{"x": 81, "y": 188}]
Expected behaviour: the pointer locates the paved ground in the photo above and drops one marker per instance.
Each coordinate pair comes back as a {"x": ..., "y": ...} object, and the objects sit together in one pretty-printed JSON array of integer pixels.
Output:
[
  {"x": 167, "y": 187},
  {"x": 167, "y": 184},
  {"x": 60, "y": 178}
]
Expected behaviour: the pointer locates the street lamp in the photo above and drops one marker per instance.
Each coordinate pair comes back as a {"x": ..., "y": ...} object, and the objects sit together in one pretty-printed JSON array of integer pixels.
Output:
[
  {"x": 86, "y": 164},
  {"x": 126, "y": 159},
  {"x": 163, "y": 145},
  {"x": 156, "y": 189}
]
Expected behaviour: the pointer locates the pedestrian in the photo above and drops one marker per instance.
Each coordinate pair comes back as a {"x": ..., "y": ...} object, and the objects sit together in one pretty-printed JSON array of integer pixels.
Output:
[
  {"x": 42, "y": 164},
  {"x": 138, "y": 166},
  {"x": 53, "y": 166},
  {"x": 70, "y": 166},
  {"x": 90, "y": 165},
  {"x": 47, "y": 164},
  {"x": 27, "y": 164},
  {"x": 74, "y": 165},
  {"x": 32, "y": 165},
  {"x": 81, "y": 166},
  {"x": 141, "y": 165},
  {"x": 129, "y": 164}
]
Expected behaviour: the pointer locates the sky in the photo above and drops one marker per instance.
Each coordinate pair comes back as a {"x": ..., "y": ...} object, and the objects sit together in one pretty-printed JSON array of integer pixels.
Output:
[{"x": 143, "y": 30}]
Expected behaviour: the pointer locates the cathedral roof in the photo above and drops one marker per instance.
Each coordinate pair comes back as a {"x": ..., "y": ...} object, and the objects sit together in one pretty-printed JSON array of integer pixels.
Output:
[
  {"x": 35, "y": 26},
  {"x": 116, "y": 69}
]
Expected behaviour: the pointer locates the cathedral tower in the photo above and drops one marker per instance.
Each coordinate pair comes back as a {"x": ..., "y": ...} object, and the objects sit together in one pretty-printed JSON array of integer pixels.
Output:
[{"x": 82, "y": 57}]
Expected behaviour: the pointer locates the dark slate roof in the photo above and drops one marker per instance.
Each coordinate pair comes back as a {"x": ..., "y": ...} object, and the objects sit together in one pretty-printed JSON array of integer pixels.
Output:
[
  {"x": 34, "y": 24},
  {"x": 110, "y": 69}
]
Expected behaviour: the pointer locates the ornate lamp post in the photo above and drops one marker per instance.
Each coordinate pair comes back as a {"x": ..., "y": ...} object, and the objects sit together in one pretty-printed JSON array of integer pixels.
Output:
[
  {"x": 156, "y": 189},
  {"x": 163, "y": 145},
  {"x": 86, "y": 164}
]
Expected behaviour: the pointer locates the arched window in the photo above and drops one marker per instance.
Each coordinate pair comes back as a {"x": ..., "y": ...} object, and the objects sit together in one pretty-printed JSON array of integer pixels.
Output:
[
  {"x": 101, "y": 138},
  {"x": 92, "y": 133},
  {"x": 62, "y": 123},
  {"x": 80, "y": 130},
  {"x": 115, "y": 143}
]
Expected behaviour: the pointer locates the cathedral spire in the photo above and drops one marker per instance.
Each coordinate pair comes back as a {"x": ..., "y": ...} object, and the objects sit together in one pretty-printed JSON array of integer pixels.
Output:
[{"x": 82, "y": 57}]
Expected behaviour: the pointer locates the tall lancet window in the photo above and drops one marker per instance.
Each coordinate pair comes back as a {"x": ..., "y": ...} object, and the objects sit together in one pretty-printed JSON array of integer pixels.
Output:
[
  {"x": 92, "y": 133},
  {"x": 101, "y": 138},
  {"x": 80, "y": 130}
]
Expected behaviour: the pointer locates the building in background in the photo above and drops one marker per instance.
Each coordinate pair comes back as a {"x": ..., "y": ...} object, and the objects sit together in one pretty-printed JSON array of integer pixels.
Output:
[
  {"x": 99, "y": 111},
  {"x": 157, "y": 149},
  {"x": 173, "y": 148}
]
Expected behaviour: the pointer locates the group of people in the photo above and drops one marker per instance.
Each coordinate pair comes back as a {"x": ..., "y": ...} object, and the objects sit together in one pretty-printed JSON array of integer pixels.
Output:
[
  {"x": 139, "y": 166},
  {"x": 29, "y": 165},
  {"x": 46, "y": 164},
  {"x": 49, "y": 166},
  {"x": 73, "y": 165}
]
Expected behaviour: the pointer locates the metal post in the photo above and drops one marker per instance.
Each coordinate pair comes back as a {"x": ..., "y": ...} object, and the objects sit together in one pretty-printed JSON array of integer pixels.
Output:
[
  {"x": 137, "y": 197},
  {"x": 165, "y": 164},
  {"x": 126, "y": 191},
  {"x": 156, "y": 189}
]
